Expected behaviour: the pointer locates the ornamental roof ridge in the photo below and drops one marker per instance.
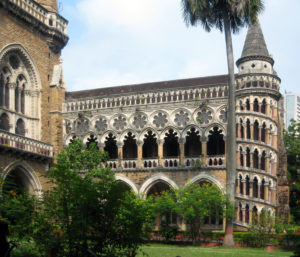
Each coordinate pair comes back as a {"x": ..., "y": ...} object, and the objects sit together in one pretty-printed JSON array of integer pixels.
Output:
[{"x": 149, "y": 87}]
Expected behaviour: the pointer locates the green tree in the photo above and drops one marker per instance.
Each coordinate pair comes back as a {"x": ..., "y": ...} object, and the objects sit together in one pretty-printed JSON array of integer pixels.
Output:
[
  {"x": 193, "y": 203},
  {"x": 86, "y": 209},
  {"x": 292, "y": 145},
  {"x": 230, "y": 16}
]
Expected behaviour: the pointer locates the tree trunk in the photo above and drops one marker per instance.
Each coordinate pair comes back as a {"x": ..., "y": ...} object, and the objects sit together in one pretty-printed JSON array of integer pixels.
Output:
[{"x": 231, "y": 135}]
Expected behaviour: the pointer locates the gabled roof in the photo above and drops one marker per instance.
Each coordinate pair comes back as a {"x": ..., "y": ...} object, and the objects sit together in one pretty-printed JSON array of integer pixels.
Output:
[{"x": 149, "y": 87}]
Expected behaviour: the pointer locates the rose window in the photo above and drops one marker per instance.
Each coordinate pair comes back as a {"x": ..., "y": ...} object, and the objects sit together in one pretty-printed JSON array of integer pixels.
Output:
[
  {"x": 181, "y": 118},
  {"x": 101, "y": 124},
  {"x": 160, "y": 120},
  {"x": 120, "y": 122},
  {"x": 204, "y": 116},
  {"x": 139, "y": 121},
  {"x": 82, "y": 126},
  {"x": 223, "y": 115}
]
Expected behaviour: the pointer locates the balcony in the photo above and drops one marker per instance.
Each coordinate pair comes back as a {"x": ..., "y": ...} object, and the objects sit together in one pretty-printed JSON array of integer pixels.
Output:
[
  {"x": 196, "y": 162},
  {"x": 28, "y": 147}
]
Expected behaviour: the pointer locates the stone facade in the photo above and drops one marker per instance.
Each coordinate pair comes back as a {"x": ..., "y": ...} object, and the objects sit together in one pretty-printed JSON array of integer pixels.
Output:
[
  {"x": 32, "y": 37},
  {"x": 159, "y": 135}
]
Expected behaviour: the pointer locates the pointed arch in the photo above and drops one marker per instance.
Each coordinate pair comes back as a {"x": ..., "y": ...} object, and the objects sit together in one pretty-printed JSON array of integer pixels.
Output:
[
  {"x": 127, "y": 181},
  {"x": 26, "y": 172}
]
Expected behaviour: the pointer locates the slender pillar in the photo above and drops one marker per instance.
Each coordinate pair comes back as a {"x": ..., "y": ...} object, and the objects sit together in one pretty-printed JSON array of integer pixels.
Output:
[
  {"x": 204, "y": 152},
  {"x": 260, "y": 131},
  {"x": 266, "y": 192},
  {"x": 120, "y": 154},
  {"x": 244, "y": 186},
  {"x": 139, "y": 154},
  {"x": 160, "y": 152},
  {"x": 251, "y": 189},
  {"x": 244, "y": 215},
  {"x": 251, "y": 131},
  {"x": 250, "y": 216},
  {"x": 259, "y": 190},
  {"x": 181, "y": 152},
  {"x": 251, "y": 160},
  {"x": 237, "y": 188},
  {"x": 239, "y": 130}
]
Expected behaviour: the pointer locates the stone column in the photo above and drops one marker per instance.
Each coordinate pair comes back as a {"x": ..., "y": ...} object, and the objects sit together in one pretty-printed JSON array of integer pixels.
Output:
[
  {"x": 260, "y": 131},
  {"x": 251, "y": 188},
  {"x": 259, "y": 190},
  {"x": 238, "y": 156},
  {"x": 243, "y": 215},
  {"x": 251, "y": 160},
  {"x": 139, "y": 154},
  {"x": 12, "y": 87},
  {"x": 250, "y": 216},
  {"x": 267, "y": 138},
  {"x": 251, "y": 131},
  {"x": 181, "y": 151},
  {"x": 266, "y": 192},
  {"x": 120, "y": 154},
  {"x": 238, "y": 213},
  {"x": 237, "y": 188},
  {"x": 204, "y": 151},
  {"x": 239, "y": 130},
  {"x": 259, "y": 161},
  {"x": 267, "y": 163},
  {"x": 268, "y": 109},
  {"x": 244, "y": 186},
  {"x": 160, "y": 152}
]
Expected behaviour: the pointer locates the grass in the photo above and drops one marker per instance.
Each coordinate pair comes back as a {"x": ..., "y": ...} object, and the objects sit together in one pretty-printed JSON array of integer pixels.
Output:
[{"x": 159, "y": 250}]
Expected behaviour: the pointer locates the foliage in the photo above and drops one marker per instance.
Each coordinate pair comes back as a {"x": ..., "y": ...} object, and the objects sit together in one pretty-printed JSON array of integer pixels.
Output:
[
  {"x": 292, "y": 145},
  {"x": 193, "y": 203},
  {"x": 86, "y": 209}
]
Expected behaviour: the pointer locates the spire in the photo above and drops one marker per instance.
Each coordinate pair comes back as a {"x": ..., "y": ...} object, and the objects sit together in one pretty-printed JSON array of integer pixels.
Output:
[
  {"x": 255, "y": 42},
  {"x": 255, "y": 46}
]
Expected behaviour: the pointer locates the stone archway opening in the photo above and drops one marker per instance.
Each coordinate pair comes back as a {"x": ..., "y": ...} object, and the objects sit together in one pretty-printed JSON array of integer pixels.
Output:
[
  {"x": 169, "y": 218},
  {"x": 20, "y": 181}
]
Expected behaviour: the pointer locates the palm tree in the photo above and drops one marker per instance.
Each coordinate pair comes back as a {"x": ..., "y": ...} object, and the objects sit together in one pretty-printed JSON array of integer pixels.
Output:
[{"x": 230, "y": 16}]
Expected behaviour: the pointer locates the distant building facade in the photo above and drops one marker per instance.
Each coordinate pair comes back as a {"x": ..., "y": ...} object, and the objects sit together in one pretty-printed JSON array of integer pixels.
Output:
[
  {"x": 158, "y": 135},
  {"x": 292, "y": 108}
]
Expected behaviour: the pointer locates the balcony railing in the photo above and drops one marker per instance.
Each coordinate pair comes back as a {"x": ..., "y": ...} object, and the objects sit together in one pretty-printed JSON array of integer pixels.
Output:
[
  {"x": 50, "y": 19},
  {"x": 217, "y": 161},
  {"x": 25, "y": 144}
]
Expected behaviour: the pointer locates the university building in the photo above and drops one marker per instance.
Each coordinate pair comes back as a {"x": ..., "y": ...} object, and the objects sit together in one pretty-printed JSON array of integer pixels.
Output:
[{"x": 158, "y": 135}]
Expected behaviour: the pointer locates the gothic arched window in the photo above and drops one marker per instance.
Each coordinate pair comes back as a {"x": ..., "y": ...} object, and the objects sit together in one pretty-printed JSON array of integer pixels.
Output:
[
  {"x": 192, "y": 146},
  {"x": 256, "y": 130},
  {"x": 130, "y": 147},
  {"x": 255, "y": 187},
  {"x": 171, "y": 145},
  {"x": 150, "y": 147},
  {"x": 216, "y": 143},
  {"x": 20, "y": 127},
  {"x": 255, "y": 159},
  {"x": 111, "y": 146},
  {"x": 4, "y": 122},
  {"x": 263, "y": 106},
  {"x": 255, "y": 105},
  {"x": 248, "y": 129}
]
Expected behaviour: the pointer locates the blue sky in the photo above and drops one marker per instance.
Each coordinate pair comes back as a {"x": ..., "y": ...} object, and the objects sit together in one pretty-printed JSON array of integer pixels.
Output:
[{"x": 118, "y": 42}]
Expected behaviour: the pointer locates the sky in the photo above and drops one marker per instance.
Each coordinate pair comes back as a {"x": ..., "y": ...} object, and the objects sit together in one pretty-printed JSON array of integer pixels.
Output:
[{"x": 118, "y": 42}]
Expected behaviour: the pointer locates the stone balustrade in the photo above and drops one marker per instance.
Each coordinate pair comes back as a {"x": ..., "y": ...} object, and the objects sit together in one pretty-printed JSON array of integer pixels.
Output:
[
  {"x": 150, "y": 163},
  {"x": 50, "y": 19},
  {"x": 129, "y": 164},
  {"x": 192, "y": 162},
  {"x": 213, "y": 161},
  {"x": 170, "y": 162},
  {"x": 17, "y": 142}
]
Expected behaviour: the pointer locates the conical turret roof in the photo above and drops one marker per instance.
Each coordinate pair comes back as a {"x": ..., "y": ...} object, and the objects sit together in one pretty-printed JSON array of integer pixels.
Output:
[
  {"x": 255, "y": 45},
  {"x": 255, "y": 42}
]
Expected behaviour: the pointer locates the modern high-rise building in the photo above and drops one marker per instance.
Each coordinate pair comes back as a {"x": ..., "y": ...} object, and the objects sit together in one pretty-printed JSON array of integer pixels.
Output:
[{"x": 292, "y": 108}]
